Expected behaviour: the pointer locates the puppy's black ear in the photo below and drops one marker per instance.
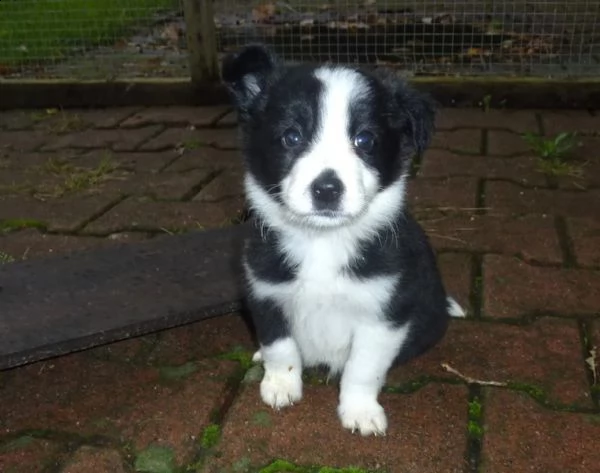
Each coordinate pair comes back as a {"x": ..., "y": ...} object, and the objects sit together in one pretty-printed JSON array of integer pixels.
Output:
[
  {"x": 413, "y": 112},
  {"x": 247, "y": 73},
  {"x": 420, "y": 112}
]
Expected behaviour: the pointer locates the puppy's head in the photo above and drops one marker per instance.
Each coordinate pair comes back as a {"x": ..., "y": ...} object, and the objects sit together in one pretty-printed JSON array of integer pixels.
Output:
[{"x": 325, "y": 145}]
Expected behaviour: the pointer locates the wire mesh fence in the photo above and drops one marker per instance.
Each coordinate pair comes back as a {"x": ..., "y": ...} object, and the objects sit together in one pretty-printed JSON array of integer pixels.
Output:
[
  {"x": 91, "y": 39},
  {"x": 110, "y": 39},
  {"x": 506, "y": 37}
]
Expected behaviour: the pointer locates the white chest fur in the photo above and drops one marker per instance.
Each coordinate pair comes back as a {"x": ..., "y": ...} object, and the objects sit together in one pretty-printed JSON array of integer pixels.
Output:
[{"x": 324, "y": 305}]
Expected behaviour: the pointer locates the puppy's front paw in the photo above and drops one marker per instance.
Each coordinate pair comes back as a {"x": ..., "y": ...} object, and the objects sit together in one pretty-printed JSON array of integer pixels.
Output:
[
  {"x": 365, "y": 415},
  {"x": 281, "y": 388}
]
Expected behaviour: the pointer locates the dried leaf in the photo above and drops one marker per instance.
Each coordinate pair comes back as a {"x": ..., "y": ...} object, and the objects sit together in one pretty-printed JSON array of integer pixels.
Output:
[{"x": 263, "y": 12}]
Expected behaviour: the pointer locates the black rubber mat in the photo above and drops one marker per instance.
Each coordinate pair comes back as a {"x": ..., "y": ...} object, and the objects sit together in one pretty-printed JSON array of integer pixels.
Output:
[{"x": 57, "y": 305}]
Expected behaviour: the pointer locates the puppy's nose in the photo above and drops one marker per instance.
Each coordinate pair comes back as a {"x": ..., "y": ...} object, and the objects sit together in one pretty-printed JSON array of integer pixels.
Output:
[{"x": 327, "y": 190}]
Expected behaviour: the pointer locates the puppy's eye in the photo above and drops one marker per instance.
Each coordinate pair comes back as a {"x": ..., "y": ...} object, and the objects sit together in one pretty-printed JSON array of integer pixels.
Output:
[
  {"x": 364, "y": 141},
  {"x": 291, "y": 138}
]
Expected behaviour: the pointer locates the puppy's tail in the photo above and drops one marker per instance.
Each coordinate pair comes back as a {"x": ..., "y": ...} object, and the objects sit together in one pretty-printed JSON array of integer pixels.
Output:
[{"x": 454, "y": 309}]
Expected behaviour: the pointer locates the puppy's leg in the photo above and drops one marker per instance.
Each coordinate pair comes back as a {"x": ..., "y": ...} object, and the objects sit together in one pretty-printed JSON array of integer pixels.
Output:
[
  {"x": 373, "y": 351},
  {"x": 282, "y": 383}
]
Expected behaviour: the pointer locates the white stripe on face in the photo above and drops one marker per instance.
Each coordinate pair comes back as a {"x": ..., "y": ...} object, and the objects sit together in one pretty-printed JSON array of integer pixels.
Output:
[{"x": 332, "y": 149}]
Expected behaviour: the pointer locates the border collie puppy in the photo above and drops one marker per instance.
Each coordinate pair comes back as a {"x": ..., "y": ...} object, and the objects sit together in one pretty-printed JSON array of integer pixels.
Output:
[{"x": 338, "y": 273}]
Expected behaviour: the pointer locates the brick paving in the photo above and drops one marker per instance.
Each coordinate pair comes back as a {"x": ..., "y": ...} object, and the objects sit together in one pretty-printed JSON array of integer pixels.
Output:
[{"x": 518, "y": 247}]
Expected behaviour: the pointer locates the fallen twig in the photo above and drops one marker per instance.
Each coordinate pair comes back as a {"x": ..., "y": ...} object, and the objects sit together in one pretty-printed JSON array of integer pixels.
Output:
[{"x": 470, "y": 380}]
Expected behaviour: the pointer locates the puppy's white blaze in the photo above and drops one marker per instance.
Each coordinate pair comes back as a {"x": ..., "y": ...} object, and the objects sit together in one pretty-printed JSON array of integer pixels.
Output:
[
  {"x": 332, "y": 148},
  {"x": 374, "y": 349},
  {"x": 454, "y": 308},
  {"x": 282, "y": 383}
]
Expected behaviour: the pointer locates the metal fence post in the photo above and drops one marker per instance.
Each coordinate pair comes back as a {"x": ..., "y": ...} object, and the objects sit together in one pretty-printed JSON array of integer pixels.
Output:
[{"x": 201, "y": 40}]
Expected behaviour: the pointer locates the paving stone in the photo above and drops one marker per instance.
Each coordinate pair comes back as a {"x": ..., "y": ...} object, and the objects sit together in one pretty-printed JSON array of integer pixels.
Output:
[
  {"x": 30, "y": 243},
  {"x": 135, "y": 215},
  {"x": 213, "y": 337},
  {"x": 520, "y": 435},
  {"x": 587, "y": 148},
  {"x": 163, "y": 186},
  {"x": 136, "y": 162},
  {"x": 585, "y": 235},
  {"x": 27, "y": 455},
  {"x": 23, "y": 182},
  {"x": 229, "y": 119},
  {"x": 33, "y": 162},
  {"x": 560, "y": 121},
  {"x": 506, "y": 143},
  {"x": 456, "y": 271},
  {"x": 462, "y": 141},
  {"x": 176, "y": 116},
  {"x": 513, "y": 288},
  {"x": 584, "y": 163},
  {"x": 505, "y": 197},
  {"x": 229, "y": 184},
  {"x": 582, "y": 175},
  {"x": 17, "y": 119},
  {"x": 451, "y": 193},
  {"x": 426, "y": 433},
  {"x": 532, "y": 237},
  {"x": 90, "y": 459},
  {"x": 545, "y": 354},
  {"x": 132, "y": 350},
  {"x": 442, "y": 163},
  {"x": 78, "y": 119},
  {"x": 206, "y": 157},
  {"x": 168, "y": 406},
  {"x": 518, "y": 121},
  {"x": 192, "y": 138},
  {"x": 65, "y": 214},
  {"x": 117, "y": 140},
  {"x": 26, "y": 140}
]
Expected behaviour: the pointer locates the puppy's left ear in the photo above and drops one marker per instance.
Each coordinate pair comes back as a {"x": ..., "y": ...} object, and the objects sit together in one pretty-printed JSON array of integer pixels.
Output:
[
  {"x": 413, "y": 113},
  {"x": 247, "y": 74},
  {"x": 420, "y": 116}
]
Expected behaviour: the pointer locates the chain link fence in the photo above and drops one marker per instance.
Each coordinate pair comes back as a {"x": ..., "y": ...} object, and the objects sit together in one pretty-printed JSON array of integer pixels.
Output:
[
  {"x": 503, "y": 37},
  {"x": 115, "y": 39}
]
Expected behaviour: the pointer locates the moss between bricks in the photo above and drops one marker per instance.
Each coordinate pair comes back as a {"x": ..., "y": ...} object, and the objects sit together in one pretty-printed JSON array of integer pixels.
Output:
[
  {"x": 282, "y": 466},
  {"x": 474, "y": 426},
  {"x": 541, "y": 396},
  {"x": 210, "y": 436},
  {"x": 11, "y": 225},
  {"x": 243, "y": 357},
  {"x": 172, "y": 373}
]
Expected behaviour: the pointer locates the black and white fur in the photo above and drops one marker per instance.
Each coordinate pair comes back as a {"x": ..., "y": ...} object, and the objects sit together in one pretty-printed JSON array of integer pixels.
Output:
[{"x": 338, "y": 273}]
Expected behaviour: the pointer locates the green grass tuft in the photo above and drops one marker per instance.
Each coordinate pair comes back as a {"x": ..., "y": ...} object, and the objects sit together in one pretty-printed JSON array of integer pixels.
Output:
[
  {"x": 475, "y": 430},
  {"x": 36, "y": 31},
  {"x": 210, "y": 436},
  {"x": 6, "y": 258}
]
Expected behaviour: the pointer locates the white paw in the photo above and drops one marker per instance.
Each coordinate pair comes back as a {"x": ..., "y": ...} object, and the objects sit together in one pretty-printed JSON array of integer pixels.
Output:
[
  {"x": 281, "y": 388},
  {"x": 367, "y": 416},
  {"x": 257, "y": 357}
]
